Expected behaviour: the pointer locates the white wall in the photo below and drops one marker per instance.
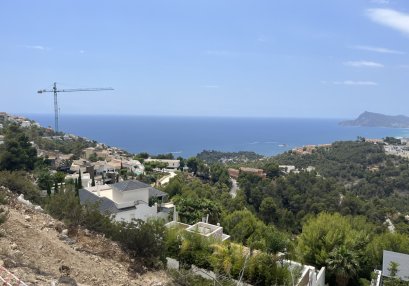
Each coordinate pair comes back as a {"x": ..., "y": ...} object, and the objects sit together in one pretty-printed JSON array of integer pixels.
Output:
[
  {"x": 140, "y": 194},
  {"x": 142, "y": 211},
  {"x": 321, "y": 277}
]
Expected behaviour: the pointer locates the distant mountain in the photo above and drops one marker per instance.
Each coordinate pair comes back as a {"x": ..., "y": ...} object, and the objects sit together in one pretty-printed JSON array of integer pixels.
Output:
[{"x": 371, "y": 119}]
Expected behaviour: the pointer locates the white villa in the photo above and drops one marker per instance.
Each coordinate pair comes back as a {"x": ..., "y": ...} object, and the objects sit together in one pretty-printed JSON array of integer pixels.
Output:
[{"x": 128, "y": 200}]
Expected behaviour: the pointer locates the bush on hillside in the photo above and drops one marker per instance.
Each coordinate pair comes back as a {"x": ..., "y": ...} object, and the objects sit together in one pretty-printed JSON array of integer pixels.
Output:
[{"x": 20, "y": 183}]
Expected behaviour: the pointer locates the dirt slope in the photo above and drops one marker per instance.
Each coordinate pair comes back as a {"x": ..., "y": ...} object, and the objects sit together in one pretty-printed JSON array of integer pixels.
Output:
[{"x": 34, "y": 250}]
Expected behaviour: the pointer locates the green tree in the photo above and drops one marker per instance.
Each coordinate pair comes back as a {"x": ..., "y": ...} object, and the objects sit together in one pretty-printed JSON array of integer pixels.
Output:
[
  {"x": 393, "y": 268},
  {"x": 193, "y": 164},
  {"x": 4, "y": 212},
  {"x": 144, "y": 240},
  {"x": 240, "y": 225},
  {"x": 396, "y": 242},
  {"x": 59, "y": 177},
  {"x": 45, "y": 181},
  {"x": 79, "y": 180},
  {"x": 174, "y": 187},
  {"x": 142, "y": 155},
  {"x": 55, "y": 187},
  {"x": 17, "y": 153},
  {"x": 193, "y": 209},
  {"x": 272, "y": 170},
  {"x": 324, "y": 237},
  {"x": 269, "y": 210},
  {"x": 227, "y": 259},
  {"x": 182, "y": 162},
  {"x": 344, "y": 264},
  {"x": 76, "y": 188}
]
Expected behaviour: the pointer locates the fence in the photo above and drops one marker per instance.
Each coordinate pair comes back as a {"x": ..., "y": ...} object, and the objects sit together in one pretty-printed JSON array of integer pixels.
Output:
[{"x": 9, "y": 279}]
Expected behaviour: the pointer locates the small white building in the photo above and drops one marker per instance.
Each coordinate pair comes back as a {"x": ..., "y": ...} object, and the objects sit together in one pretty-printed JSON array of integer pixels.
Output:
[
  {"x": 287, "y": 169},
  {"x": 25, "y": 124},
  {"x": 86, "y": 179},
  {"x": 127, "y": 200},
  {"x": 201, "y": 228},
  {"x": 134, "y": 166}
]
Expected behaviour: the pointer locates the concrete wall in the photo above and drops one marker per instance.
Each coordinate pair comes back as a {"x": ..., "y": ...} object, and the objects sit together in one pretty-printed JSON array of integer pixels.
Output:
[
  {"x": 142, "y": 211},
  {"x": 321, "y": 277},
  {"x": 131, "y": 196}
]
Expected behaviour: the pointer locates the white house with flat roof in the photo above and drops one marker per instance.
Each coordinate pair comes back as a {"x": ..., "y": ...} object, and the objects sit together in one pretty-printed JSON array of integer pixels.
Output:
[{"x": 128, "y": 200}]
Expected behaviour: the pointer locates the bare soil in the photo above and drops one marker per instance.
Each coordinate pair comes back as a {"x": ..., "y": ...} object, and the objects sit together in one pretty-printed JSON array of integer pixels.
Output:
[{"x": 34, "y": 249}]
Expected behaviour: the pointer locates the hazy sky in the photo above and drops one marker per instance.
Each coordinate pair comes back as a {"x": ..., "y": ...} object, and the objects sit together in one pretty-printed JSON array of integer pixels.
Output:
[{"x": 276, "y": 58}]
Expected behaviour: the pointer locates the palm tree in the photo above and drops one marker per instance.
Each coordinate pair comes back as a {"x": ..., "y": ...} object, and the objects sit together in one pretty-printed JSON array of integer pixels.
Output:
[{"x": 343, "y": 263}]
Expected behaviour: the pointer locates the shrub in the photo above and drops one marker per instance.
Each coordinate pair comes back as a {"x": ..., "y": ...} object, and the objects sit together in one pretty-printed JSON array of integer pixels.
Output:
[
  {"x": 3, "y": 209},
  {"x": 65, "y": 207},
  {"x": 143, "y": 240},
  {"x": 20, "y": 183}
]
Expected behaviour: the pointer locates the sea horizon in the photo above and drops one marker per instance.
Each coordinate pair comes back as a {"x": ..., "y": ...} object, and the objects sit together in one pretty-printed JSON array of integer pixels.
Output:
[{"x": 187, "y": 136}]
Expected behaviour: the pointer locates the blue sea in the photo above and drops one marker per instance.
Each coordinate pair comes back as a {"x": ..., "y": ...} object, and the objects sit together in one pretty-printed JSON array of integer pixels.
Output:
[{"x": 187, "y": 136}]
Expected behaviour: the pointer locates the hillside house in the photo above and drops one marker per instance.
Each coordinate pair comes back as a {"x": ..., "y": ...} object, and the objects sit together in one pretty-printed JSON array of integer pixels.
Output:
[
  {"x": 128, "y": 200},
  {"x": 171, "y": 164},
  {"x": 233, "y": 173},
  {"x": 133, "y": 166},
  {"x": 257, "y": 172}
]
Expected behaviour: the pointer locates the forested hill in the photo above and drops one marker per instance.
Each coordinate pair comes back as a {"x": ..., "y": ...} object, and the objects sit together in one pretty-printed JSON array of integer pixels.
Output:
[
  {"x": 362, "y": 167},
  {"x": 345, "y": 160},
  {"x": 350, "y": 177},
  {"x": 371, "y": 119}
]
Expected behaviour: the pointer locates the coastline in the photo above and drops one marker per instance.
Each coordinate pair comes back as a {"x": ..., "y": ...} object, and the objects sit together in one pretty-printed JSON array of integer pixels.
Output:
[{"x": 187, "y": 137}]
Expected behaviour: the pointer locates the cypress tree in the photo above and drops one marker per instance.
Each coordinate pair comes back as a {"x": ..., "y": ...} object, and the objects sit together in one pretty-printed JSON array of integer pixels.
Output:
[
  {"x": 79, "y": 180},
  {"x": 55, "y": 187},
  {"x": 76, "y": 188},
  {"x": 93, "y": 182}
]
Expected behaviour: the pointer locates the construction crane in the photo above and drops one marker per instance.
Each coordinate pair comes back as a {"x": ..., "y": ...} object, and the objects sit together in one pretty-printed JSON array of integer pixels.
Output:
[{"x": 56, "y": 91}]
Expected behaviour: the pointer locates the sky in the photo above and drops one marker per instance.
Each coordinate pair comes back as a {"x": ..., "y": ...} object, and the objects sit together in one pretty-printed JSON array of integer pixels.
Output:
[{"x": 244, "y": 58}]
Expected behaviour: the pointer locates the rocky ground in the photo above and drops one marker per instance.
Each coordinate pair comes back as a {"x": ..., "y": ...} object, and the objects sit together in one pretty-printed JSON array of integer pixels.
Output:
[{"x": 40, "y": 251}]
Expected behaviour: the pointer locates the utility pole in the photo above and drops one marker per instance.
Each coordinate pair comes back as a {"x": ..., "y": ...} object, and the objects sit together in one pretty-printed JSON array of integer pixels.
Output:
[{"x": 56, "y": 91}]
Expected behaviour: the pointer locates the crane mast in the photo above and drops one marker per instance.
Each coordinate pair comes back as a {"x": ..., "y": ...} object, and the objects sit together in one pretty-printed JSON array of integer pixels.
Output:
[{"x": 56, "y": 91}]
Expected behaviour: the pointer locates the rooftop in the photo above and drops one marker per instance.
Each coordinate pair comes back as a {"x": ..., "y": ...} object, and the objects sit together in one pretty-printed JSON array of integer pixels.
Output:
[{"x": 129, "y": 185}]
